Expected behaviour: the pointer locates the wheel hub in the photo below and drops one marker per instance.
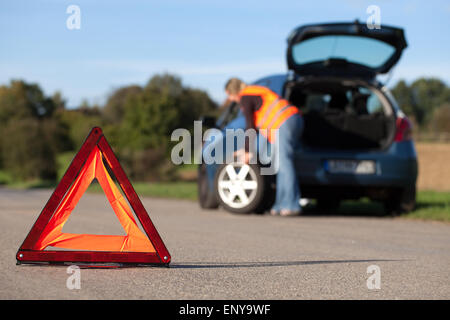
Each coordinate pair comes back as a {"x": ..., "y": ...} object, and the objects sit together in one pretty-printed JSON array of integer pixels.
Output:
[{"x": 237, "y": 185}]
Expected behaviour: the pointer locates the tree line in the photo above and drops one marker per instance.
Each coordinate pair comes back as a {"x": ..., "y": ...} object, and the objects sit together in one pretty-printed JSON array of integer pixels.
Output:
[
  {"x": 426, "y": 101},
  {"x": 138, "y": 121}
]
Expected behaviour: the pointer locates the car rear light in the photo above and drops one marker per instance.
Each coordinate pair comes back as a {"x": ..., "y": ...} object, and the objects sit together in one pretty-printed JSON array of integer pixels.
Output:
[{"x": 404, "y": 129}]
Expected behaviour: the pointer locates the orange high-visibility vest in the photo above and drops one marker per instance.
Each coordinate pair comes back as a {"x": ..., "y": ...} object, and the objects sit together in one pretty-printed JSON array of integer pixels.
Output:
[{"x": 273, "y": 112}]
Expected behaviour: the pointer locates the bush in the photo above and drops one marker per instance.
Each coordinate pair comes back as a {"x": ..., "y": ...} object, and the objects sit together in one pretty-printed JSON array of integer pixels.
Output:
[
  {"x": 138, "y": 122},
  {"x": 26, "y": 153},
  {"x": 147, "y": 165},
  {"x": 440, "y": 121},
  {"x": 421, "y": 98},
  {"x": 114, "y": 109},
  {"x": 31, "y": 134},
  {"x": 79, "y": 123}
]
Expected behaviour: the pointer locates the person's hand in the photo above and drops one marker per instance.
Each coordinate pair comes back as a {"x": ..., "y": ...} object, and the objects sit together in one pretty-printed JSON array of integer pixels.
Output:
[{"x": 243, "y": 156}]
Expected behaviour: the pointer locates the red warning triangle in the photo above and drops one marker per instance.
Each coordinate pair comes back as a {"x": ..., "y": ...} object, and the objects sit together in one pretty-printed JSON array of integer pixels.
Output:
[{"x": 133, "y": 248}]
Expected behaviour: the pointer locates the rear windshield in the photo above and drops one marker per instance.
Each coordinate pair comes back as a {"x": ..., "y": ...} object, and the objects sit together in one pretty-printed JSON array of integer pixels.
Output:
[{"x": 355, "y": 49}]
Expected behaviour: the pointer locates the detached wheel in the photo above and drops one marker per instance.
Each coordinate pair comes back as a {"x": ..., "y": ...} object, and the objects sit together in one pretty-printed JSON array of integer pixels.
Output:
[
  {"x": 206, "y": 193},
  {"x": 240, "y": 188}
]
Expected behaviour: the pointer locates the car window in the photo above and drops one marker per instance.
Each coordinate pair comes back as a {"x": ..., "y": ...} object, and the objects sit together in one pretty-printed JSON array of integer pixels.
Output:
[
  {"x": 317, "y": 102},
  {"x": 373, "y": 103},
  {"x": 364, "y": 51},
  {"x": 359, "y": 101}
]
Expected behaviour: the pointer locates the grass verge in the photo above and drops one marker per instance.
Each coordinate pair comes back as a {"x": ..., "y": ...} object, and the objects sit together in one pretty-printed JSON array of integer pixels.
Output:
[
  {"x": 172, "y": 190},
  {"x": 431, "y": 205}
]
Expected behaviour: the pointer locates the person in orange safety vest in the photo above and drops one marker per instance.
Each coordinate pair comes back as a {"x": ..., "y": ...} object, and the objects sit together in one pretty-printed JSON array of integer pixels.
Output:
[{"x": 266, "y": 111}]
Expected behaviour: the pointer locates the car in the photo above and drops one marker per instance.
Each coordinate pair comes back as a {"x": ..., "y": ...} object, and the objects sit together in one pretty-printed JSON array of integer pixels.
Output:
[{"x": 356, "y": 143}]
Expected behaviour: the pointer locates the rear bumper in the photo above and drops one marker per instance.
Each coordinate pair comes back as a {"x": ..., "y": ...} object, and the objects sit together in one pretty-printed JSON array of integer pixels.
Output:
[
  {"x": 343, "y": 192},
  {"x": 396, "y": 167}
]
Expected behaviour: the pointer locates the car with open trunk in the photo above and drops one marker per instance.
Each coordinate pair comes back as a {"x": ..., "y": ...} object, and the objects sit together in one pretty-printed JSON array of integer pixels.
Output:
[{"x": 356, "y": 143}]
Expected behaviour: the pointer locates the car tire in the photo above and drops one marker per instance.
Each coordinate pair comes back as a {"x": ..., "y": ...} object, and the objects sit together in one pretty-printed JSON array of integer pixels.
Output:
[
  {"x": 240, "y": 191},
  {"x": 327, "y": 205},
  {"x": 206, "y": 193},
  {"x": 401, "y": 201}
]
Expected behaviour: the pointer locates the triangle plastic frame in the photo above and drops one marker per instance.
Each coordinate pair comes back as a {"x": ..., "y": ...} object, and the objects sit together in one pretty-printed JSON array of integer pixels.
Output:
[{"x": 26, "y": 253}]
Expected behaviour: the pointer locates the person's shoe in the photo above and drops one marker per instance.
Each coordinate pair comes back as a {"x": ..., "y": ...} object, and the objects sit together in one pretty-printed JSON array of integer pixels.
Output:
[
  {"x": 290, "y": 213},
  {"x": 274, "y": 212}
]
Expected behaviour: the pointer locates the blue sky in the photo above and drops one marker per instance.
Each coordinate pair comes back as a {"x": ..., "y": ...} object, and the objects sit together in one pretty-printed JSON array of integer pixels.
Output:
[{"x": 203, "y": 41}]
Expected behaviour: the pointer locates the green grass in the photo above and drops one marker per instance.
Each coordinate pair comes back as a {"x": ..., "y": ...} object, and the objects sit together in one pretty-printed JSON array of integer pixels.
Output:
[
  {"x": 63, "y": 161},
  {"x": 176, "y": 190},
  {"x": 5, "y": 178},
  {"x": 32, "y": 184},
  {"x": 187, "y": 167},
  {"x": 431, "y": 205},
  {"x": 173, "y": 190}
]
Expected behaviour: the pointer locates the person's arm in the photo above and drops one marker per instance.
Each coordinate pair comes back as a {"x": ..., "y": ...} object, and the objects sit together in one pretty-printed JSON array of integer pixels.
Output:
[{"x": 249, "y": 105}]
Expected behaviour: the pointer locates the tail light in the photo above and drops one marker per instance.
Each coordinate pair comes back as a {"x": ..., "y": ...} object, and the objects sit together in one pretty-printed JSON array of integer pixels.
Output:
[{"x": 404, "y": 129}]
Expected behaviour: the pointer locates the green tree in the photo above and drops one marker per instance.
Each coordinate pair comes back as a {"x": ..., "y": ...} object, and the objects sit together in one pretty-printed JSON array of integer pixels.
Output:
[
  {"x": 421, "y": 98},
  {"x": 404, "y": 97},
  {"x": 31, "y": 134},
  {"x": 440, "y": 121},
  {"x": 59, "y": 101},
  {"x": 80, "y": 122},
  {"x": 428, "y": 95},
  {"x": 165, "y": 84},
  {"x": 148, "y": 116},
  {"x": 195, "y": 103},
  {"x": 161, "y": 107},
  {"x": 114, "y": 109},
  {"x": 138, "y": 122},
  {"x": 20, "y": 100},
  {"x": 149, "y": 119},
  {"x": 26, "y": 152}
]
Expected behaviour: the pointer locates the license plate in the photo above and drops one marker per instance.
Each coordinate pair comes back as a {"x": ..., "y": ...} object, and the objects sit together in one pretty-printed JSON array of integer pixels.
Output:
[{"x": 350, "y": 166}]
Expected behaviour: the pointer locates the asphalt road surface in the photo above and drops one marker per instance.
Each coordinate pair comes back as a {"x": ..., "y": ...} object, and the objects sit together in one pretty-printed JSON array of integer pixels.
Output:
[{"x": 218, "y": 255}]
